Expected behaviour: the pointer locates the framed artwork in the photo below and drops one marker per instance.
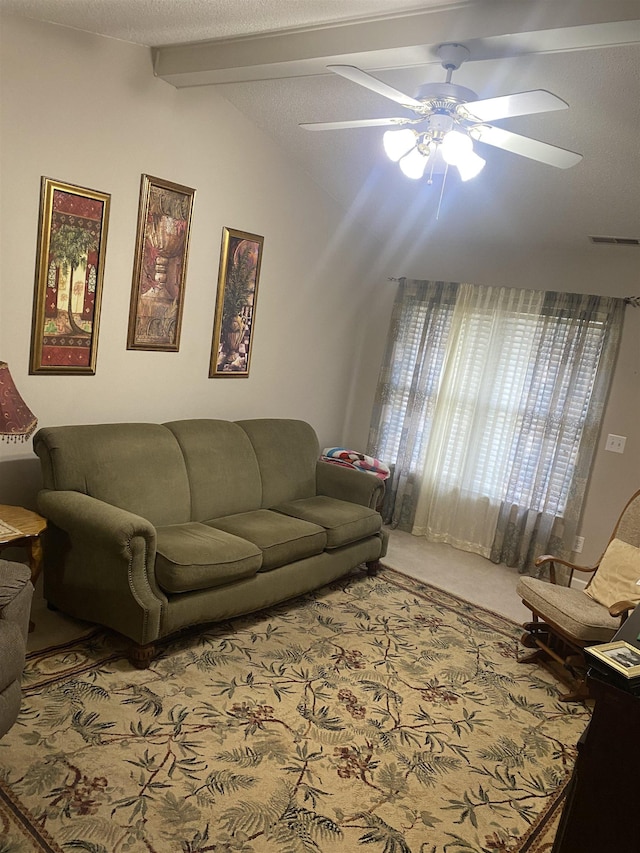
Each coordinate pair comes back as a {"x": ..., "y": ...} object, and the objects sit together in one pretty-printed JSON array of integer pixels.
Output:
[
  {"x": 72, "y": 238},
  {"x": 621, "y": 656},
  {"x": 240, "y": 260},
  {"x": 160, "y": 265}
]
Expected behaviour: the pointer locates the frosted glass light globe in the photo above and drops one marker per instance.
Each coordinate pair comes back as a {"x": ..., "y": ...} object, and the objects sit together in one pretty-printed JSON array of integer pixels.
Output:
[
  {"x": 455, "y": 146},
  {"x": 397, "y": 143},
  {"x": 413, "y": 164},
  {"x": 470, "y": 166}
]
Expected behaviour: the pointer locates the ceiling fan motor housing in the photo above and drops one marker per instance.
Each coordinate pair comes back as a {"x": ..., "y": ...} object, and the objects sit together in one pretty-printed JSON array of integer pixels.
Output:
[
  {"x": 452, "y": 55},
  {"x": 437, "y": 126},
  {"x": 444, "y": 96}
]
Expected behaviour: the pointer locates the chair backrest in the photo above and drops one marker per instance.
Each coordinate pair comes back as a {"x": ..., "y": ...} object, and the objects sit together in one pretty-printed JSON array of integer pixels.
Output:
[
  {"x": 616, "y": 577},
  {"x": 628, "y": 526}
]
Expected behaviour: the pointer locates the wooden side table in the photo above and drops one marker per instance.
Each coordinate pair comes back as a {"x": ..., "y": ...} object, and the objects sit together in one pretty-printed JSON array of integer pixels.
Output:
[
  {"x": 601, "y": 810},
  {"x": 31, "y": 526}
]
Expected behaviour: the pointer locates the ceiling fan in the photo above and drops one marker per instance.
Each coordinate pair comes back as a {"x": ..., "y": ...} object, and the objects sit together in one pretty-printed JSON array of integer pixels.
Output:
[{"x": 447, "y": 119}]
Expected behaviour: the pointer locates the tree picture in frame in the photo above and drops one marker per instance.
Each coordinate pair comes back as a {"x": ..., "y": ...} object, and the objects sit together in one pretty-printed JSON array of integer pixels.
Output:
[{"x": 72, "y": 235}]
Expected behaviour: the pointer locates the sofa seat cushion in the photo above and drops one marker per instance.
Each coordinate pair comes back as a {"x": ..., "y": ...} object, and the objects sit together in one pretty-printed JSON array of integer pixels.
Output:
[
  {"x": 345, "y": 522},
  {"x": 195, "y": 556},
  {"x": 281, "y": 539}
]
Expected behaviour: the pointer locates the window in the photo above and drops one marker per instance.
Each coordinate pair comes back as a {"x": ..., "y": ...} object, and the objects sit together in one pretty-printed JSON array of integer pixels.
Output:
[{"x": 484, "y": 400}]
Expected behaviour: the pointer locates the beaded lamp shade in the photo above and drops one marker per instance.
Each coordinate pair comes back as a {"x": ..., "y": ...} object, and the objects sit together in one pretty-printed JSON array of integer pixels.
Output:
[{"x": 17, "y": 421}]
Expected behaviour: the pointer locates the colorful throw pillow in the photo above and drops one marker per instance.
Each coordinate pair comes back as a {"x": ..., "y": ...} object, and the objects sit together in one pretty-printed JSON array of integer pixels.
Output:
[{"x": 618, "y": 576}]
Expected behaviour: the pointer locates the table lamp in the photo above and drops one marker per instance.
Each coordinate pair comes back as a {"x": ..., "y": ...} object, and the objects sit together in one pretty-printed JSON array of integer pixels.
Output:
[{"x": 17, "y": 421}]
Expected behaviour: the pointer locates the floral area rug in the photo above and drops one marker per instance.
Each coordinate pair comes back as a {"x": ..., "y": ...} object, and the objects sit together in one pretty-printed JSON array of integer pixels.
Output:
[{"x": 376, "y": 714}]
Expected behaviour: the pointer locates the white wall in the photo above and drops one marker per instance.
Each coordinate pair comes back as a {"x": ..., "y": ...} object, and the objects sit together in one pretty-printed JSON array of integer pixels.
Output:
[
  {"x": 605, "y": 270},
  {"x": 88, "y": 111}
]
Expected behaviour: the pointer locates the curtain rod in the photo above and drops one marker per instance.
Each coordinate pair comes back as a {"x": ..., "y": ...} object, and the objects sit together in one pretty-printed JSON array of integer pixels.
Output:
[{"x": 628, "y": 300}]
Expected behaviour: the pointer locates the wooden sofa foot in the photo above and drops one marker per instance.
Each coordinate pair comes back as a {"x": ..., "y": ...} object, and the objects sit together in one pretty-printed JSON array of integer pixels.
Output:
[
  {"x": 141, "y": 656},
  {"x": 373, "y": 567}
]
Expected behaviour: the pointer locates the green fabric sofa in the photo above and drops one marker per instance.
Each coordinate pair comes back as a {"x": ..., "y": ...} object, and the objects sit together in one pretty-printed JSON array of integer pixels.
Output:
[{"x": 154, "y": 528}]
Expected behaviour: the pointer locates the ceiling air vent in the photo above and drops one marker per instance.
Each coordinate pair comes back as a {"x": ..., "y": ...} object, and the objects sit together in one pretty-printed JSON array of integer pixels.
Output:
[{"x": 617, "y": 241}]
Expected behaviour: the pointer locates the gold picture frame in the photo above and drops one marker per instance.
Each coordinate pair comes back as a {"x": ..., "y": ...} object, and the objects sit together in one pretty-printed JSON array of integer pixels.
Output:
[
  {"x": 619, "y": 655},
  {"x": 160, "y": 265},
  {"x": 72, "y": 237},
  {"x": 234, "y": 320}
]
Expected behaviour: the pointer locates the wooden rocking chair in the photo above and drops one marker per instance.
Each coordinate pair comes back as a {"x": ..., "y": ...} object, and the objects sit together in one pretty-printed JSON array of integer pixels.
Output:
[{"x": 566, "y": 619}]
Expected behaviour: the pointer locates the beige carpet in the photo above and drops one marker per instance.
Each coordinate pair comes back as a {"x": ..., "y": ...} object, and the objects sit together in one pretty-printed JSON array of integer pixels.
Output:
[{"x": 377, "y": 714}]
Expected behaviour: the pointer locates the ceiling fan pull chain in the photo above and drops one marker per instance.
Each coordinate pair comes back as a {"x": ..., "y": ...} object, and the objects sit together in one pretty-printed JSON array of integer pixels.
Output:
[{"x": 444, "y": 178}]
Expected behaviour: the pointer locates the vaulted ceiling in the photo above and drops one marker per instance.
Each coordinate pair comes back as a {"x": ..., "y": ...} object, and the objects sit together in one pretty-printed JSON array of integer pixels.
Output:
[{"x": 269, "y": 58}]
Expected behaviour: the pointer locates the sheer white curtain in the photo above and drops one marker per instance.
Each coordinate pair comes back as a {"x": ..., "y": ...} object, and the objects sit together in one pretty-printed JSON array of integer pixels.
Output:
[
  {"x": 488, "y": 410},
  {"x": 478, "y": 415}
]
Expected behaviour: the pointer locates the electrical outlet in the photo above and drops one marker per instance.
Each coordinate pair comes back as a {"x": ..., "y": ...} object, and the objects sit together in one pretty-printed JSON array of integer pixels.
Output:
[
  {"x": 616, "y": 443},
  {"x": 578, "y": 544}
]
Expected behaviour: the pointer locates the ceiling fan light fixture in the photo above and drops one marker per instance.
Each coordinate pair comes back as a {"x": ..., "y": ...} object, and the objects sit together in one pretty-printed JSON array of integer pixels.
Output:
[
  {"x": 397, "y": 143},
  {"x": 457, "y": 150},
  {"x": 456, "y": 146},
  {"x": 470, "y": 166},
  {"x": 450, "y": 118},
  {"x": 413, "y": 164}
]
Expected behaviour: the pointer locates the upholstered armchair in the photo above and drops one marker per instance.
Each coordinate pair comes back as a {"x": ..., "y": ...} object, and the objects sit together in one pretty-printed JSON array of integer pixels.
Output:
[{"x": 16, "y": 593}]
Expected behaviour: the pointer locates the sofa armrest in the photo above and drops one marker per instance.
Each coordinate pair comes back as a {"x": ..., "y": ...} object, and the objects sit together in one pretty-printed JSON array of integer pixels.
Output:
[
  {"x": 99, "y": 564},
  {"x": 346, "y": 484},
  {"x": 107, "y": 525},
  {"x": 16, "y": 593}
]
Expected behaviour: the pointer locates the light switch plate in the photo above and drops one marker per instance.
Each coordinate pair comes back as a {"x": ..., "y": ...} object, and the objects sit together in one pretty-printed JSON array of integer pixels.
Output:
[{"x": 615, "y": 443}]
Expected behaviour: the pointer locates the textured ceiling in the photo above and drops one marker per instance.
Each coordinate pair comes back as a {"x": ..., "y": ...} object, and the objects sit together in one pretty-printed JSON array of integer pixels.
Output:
[
  {"x": 280, "y": 80},
  {"x": 158, "y": 22}
]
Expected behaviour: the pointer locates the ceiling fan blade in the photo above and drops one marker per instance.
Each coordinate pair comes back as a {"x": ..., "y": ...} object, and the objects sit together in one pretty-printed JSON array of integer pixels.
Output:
[
  {"x": 359, "y": 122},
  {"x": 552, "y": 155},
  {"x": 370, "y": 82},
  {"x": 506, "y": 106}
]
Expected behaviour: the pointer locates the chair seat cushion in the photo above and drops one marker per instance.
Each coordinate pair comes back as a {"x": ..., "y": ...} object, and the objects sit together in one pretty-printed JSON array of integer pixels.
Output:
[
  {"x": 281, "y": 540},
  {"x": 344, "y": 521},
  {"x": 195, "y": 556},
  {"x": 618, "y": 575},
  {"x": 570, "y": 609}
]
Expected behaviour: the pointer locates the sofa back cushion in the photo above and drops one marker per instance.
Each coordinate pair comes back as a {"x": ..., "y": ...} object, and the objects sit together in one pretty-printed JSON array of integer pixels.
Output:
[
  {"x": 137, "y": 467},
  {"x": 221, "y": 465},
  {"x": 287, "y": 452}
]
